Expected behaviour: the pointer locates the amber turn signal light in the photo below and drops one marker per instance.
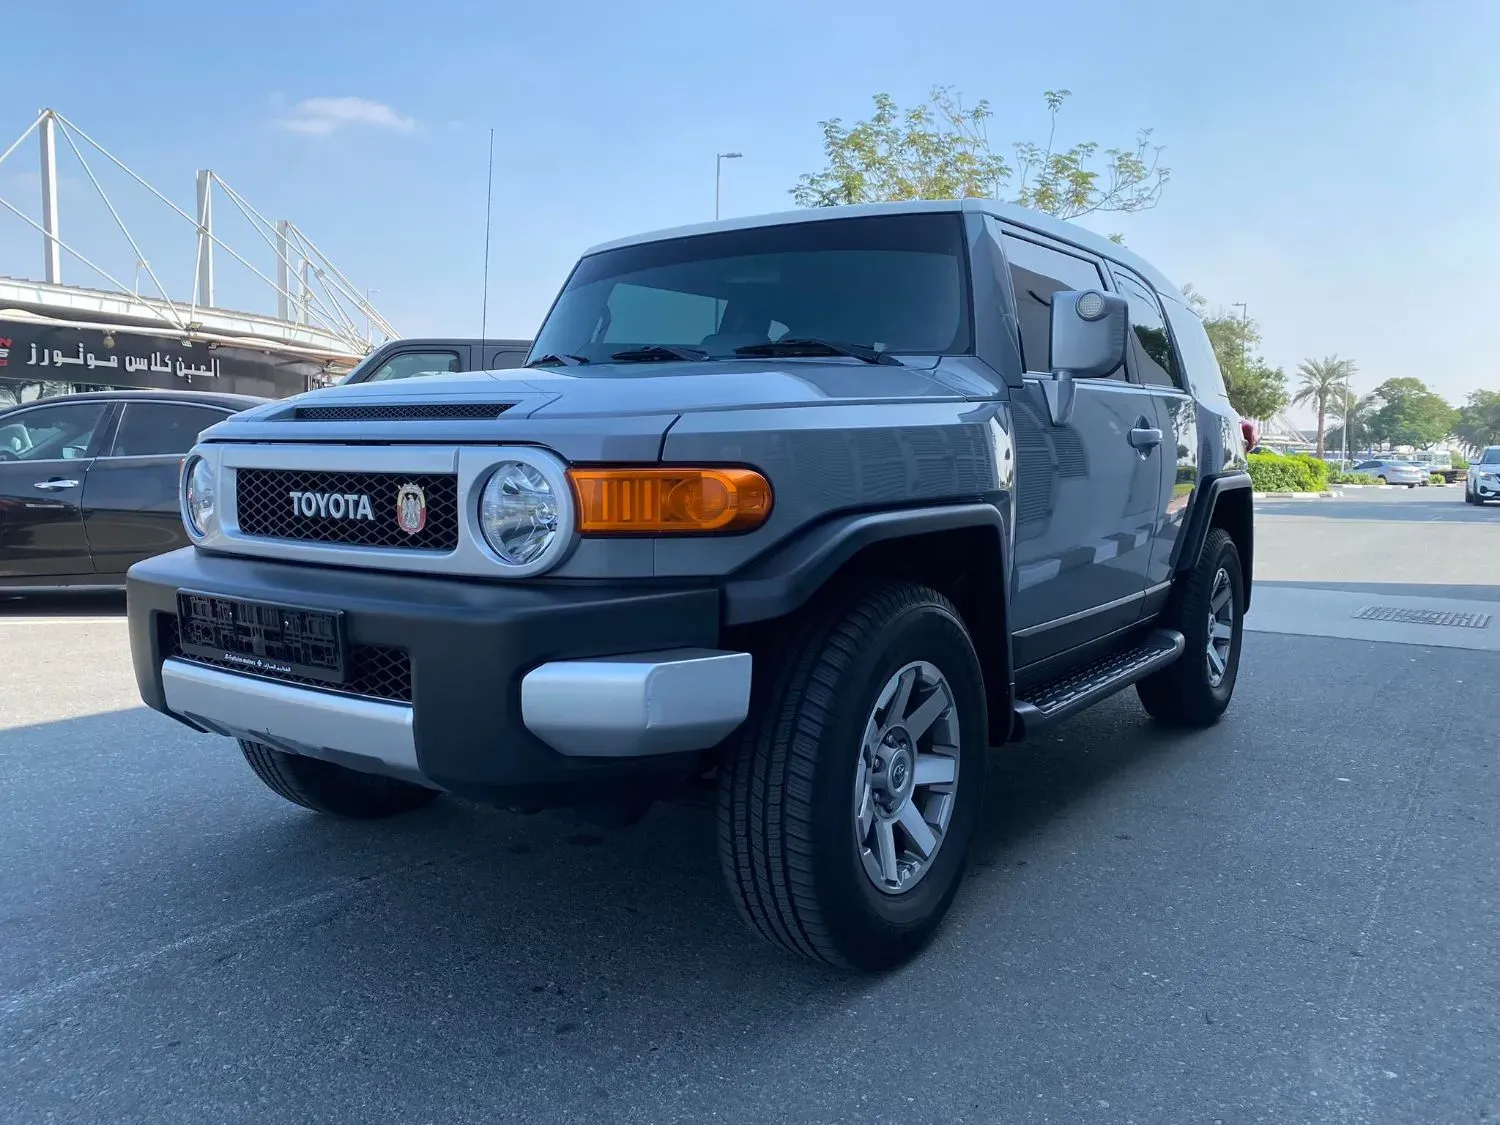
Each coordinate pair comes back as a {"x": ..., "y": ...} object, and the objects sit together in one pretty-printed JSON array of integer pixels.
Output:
[{"x": 669, "y": 501}]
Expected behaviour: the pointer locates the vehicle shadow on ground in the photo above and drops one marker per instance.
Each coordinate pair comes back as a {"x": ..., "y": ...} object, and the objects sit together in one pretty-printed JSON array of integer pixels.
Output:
[
  {"x": 547, "y": 940},
  {"x": 62, "y": 605}
]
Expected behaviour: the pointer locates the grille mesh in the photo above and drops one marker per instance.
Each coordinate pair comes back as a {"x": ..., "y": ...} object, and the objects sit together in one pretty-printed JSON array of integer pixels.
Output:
[
  {"x": 265, "y": 508},
  {"x": 404, "y": 412},
  {"x": 375, "y": 671}
]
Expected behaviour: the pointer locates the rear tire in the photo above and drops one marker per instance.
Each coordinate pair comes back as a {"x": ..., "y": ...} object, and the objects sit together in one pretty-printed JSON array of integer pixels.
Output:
[
  {"x": 816, "y": 793},
  {"x": 1194, "y": 690},
  {"x": 331, "y": 789}
]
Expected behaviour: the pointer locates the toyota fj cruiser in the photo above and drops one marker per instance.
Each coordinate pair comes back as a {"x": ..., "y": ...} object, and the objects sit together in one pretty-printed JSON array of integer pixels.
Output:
[{"x": 819, "y": 506}]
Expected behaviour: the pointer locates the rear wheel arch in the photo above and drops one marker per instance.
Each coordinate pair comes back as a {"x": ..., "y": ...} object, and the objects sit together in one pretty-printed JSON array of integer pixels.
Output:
[{"x": 1228, "y": 503}]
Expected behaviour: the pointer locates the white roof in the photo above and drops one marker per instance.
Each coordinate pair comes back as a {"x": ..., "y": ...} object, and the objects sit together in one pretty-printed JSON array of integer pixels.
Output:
[{"x": 1036, "y": 221}]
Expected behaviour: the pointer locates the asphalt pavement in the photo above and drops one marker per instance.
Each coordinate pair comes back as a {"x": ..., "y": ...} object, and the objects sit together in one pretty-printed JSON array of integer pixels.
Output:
[{"x": 1288, "y": 918}]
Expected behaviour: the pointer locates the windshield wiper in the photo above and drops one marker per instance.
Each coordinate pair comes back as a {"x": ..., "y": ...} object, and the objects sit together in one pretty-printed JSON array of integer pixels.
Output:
[
  {"x": 816, "y": 345},
  {"x": 553, "y": 360},
  {"x": 649, "y": 353}
]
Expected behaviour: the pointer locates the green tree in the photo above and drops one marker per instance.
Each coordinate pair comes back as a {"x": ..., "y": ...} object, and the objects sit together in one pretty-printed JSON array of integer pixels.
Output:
[
  {"x": 1256, "y": 389},
  {"x": 1411, "y": 413},
  {"x": 1478, "y": 423},
  {"x": 1321, "y": 381},
  {"x": 940, "y": 149}
]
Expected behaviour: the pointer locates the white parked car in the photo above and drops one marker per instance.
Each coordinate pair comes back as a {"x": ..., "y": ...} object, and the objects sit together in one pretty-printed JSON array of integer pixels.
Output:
[
  {"x": 1483, "y": 481},
  {"x": 1390, "y": 470}
]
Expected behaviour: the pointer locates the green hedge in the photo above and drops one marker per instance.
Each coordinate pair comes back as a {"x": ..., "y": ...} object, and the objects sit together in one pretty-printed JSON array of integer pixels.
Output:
[
  {"x": 1352, "y": 478},
  {"x": 1437, "y": 478},
  {"x": 1298, "y": 472}
]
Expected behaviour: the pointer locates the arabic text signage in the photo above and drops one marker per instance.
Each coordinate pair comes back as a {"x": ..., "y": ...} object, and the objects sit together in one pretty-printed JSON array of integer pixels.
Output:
[{"x": 51, "y": 353}]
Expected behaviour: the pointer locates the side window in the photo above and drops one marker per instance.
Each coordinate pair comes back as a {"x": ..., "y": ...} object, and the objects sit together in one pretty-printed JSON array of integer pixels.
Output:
[
  {"x": 407, "y": 364},
  {"x": 503, "y": 359},
  {"x": 1151, "y": 356},
  {"x": 642, "y": 314},
  {"x": 160, "y": 429},
  {"x": 51, "y": 433},
  {"x": 1037, "y": 272}
]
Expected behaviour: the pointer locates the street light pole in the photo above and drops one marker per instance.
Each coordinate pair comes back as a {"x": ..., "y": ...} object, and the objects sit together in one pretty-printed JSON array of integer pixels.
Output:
[
  {"x": 1245, "y": 331},
  {"x": 719, "y": 175},
  {"x": 1348, "y": 407}
]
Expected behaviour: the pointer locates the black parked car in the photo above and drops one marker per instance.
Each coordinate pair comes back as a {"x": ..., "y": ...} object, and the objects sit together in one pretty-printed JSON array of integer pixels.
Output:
[{"x": 89, "y": 483}]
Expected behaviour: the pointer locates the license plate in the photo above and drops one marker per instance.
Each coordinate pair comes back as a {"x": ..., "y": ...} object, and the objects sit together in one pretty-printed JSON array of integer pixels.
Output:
[{"x": 272, "y": 640}]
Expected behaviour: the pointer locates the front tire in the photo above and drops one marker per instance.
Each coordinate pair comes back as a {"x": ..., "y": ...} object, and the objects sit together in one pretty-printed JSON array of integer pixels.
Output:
[
  {"x": 332, "y": 789},
  {"x": 1207, "y": 607},
  {"x": 849, "y": 801}
]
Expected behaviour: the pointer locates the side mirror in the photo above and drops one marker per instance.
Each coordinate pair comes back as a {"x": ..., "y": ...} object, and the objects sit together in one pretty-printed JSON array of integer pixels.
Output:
[{"x": 1089, "y": 330}]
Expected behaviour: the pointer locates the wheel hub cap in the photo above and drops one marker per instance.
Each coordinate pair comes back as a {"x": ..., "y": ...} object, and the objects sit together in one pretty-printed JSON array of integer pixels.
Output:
[
  {"x": 907, "y": 777},
  {"x": 1220, "y": 628}
]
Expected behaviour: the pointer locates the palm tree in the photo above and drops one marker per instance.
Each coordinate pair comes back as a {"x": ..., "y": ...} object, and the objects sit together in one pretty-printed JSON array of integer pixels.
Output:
[
  {"x": 1352, "y": 415},
  {"x": 1323, "y": 380}
]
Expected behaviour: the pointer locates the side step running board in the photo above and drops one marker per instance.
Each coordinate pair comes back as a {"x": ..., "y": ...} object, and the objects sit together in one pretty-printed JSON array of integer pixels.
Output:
[{"x": 1056, "y": 700}]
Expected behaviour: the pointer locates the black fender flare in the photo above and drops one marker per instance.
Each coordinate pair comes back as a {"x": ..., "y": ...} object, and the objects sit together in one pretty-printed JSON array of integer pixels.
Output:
[
  {"x": 784, "y": 578},
  {"x": 1200, "y": 519}
]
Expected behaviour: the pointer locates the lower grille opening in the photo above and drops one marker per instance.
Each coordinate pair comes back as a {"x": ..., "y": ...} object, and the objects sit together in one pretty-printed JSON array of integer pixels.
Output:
[{"x": 375, "y": 671}]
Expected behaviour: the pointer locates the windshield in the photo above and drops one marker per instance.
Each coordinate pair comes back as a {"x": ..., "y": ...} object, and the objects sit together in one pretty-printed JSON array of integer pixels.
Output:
[{"x": 892, "y": 282}]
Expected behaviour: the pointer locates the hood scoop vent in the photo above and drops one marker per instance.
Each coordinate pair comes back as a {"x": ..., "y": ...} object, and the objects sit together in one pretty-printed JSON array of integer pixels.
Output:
[{"x": 403, "y": 412}]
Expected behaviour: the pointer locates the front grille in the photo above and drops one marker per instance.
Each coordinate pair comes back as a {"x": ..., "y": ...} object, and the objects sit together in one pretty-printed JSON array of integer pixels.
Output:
[
  {"x": 375, "y": 671},
  {"x": 408, "y": 412},
  {"x": 265, "y": 508}
]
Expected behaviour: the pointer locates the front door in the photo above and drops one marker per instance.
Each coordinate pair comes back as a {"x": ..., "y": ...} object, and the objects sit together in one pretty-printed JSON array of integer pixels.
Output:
[
  {"x": 45, "y": 453},
  {"x": 1087, "y": 492},
  {"x": 1156, "y": 363}
]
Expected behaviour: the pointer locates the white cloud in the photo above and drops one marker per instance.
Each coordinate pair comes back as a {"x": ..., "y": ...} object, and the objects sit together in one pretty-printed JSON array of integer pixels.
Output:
[{"x": 321, "y": 116}]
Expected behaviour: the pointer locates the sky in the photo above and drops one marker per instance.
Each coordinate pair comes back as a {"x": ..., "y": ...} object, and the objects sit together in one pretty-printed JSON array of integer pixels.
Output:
[{"x": 1333, "y": 164}]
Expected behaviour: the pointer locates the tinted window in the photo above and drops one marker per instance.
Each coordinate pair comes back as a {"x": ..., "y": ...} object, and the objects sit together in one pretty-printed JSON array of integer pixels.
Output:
[
  {"x": 505, "y": 358},
  {"x": 50, "y": 433},
  {"x": 1491, "y": 456},
  {"x": 1151, "y": 356},
  {"x": 1037, "y": 272},
  {"x": 637, "y": 313},
  {"x": 894, "y": 281},
  {"x": 161, "y": 428},
  {"x": 408, "y": 364}
]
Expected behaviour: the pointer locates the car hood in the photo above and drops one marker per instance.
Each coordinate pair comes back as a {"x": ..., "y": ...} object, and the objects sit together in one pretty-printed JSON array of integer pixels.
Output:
[{"x": 573, "y": 408}]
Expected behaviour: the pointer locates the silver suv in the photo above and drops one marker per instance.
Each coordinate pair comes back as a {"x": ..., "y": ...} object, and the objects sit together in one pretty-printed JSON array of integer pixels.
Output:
[{"x": 820, "y": 506}]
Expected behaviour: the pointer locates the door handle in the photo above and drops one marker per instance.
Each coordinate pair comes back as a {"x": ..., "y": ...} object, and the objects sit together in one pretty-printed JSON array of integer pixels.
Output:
[
  {"x": 1143, "y": 438},
  {"x": 55, "y": 485}
]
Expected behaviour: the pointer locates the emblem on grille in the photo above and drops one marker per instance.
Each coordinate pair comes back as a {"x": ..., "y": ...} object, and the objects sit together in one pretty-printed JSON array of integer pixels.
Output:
[
  {"x": 411, "y": 508},
  {"x": 332, "y": 505}
]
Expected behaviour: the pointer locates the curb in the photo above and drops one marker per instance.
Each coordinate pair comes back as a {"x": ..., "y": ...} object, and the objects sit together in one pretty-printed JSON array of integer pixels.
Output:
[{"x": 1296, "y": 495}]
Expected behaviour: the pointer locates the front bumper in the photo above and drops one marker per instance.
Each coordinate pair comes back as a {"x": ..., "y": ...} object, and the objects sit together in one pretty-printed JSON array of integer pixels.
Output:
[
  {"x": 523, "y": 694},
  {"x": 1487, "y": 489}
]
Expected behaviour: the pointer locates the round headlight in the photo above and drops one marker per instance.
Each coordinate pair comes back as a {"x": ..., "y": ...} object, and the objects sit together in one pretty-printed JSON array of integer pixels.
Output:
[
  {"x": 198, "y": 497},
  {"x": 519, "y": 513}
]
